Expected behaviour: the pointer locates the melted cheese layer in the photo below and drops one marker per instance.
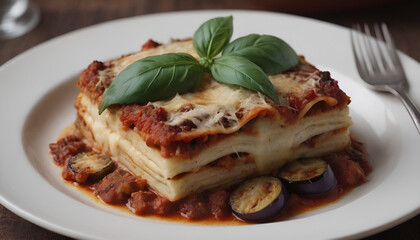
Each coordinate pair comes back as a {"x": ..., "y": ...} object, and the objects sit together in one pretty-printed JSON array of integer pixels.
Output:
[{"x": 215, "y": 106}]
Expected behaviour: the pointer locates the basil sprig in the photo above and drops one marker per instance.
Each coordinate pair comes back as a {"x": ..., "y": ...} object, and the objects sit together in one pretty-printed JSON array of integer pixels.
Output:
[
  {"x": 270, "y": 53},
  {"x": 244, "y": 62},
  {"x": 213, "y": 36},
  {"x": 240, "y": 71},
  {"x": 154, "y": 78}
]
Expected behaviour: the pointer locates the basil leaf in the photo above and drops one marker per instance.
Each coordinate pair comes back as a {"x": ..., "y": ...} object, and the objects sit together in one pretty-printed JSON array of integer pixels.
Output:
[
  {"x": 153, "y": 78},
  {"x": 240, "y": 71},
  {"x": 213, "y": 36},
  {"x": 272, "y": 54}
]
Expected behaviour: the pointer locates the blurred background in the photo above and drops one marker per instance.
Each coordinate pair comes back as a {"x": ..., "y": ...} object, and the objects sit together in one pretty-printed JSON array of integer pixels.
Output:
[{"x": 62, "y": 16}]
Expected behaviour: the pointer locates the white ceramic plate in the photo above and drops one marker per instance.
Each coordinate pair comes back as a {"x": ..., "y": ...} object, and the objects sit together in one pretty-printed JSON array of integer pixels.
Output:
[{"x": 36, "y": 101}]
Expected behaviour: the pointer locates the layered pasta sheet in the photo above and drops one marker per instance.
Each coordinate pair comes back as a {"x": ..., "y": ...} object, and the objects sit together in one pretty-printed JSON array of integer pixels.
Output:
[{"x": 256, "y": 136}]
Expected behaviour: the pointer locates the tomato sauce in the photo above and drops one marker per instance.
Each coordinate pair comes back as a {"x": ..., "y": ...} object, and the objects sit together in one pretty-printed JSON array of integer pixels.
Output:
[{"x": 123, "y": 190}]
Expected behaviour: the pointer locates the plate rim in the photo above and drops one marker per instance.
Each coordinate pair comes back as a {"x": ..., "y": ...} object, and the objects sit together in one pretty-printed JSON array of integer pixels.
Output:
[{"x": 57, "y": 228}]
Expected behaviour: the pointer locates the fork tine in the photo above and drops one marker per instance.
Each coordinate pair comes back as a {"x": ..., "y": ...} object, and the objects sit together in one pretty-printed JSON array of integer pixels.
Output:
[
  {"x": 391, "y": 48},
  {"x": 355, "y": 49},
  {"x": 391, "y": 80},
  {"x": 382, "y": 59},
  {"x": 358, "y": 51},
  {"x": 385, "y": 48},
  {"x": 369, "y": 48},
  {"x": 379, "y": 56}
]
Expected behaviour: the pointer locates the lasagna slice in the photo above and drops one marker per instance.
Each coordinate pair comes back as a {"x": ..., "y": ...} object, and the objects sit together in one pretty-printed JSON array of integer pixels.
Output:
[{"x": 216, "y": 134}]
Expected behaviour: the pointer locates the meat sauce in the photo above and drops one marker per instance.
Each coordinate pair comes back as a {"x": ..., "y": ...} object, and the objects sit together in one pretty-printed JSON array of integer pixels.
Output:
[
  {"x": 151, "y": 120},
  {"x": 121, "y": 189}
]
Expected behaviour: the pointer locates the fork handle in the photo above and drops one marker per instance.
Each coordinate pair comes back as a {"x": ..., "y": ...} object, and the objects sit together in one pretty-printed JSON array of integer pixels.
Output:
[{"x": 412, "y": 109}]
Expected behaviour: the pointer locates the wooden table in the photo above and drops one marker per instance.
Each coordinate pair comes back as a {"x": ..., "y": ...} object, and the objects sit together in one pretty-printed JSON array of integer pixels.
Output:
[{"x": 59, "y": 17}]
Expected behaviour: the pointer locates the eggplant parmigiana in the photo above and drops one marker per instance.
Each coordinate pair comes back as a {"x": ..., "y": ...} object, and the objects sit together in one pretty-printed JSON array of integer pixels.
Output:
[{"x": 215, "y": 135}]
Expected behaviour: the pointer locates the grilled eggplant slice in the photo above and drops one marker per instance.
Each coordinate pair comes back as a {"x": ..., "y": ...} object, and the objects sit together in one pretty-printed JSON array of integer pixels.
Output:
[
  {"x": 311, "y": 176},
  {"x": 88, "y": 167},
  {"x": 259, "y": 199}
]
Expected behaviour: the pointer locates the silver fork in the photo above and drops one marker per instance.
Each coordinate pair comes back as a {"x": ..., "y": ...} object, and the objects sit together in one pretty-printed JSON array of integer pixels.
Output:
[{"x": 379, "y": 66}]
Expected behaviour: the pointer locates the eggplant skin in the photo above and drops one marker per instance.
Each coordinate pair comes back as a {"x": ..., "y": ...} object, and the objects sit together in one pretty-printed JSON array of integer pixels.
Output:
[
  {"x": 321, "y": 181},
  {"x": 259, "y": 199},
  {"x": 88, "y": 167},
  {"x": 318, "y": 186}
]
